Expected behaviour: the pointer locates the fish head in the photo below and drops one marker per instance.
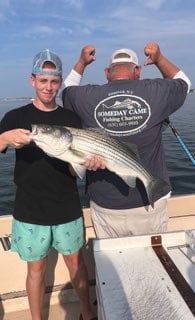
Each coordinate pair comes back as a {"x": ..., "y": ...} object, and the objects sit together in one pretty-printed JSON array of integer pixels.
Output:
[{"x": 53, "y": 140}]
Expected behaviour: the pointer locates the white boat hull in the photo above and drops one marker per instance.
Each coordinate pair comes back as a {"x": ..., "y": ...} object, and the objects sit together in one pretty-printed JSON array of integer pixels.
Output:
[{"x": 13, "y": 270}]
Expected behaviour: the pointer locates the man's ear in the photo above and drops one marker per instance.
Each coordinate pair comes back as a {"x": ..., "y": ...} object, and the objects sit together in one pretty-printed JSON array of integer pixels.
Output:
[
  {"x": 32, "y": 80},
  {"x": 107, "y": 73},
  {"x": 137, "y": 72}
]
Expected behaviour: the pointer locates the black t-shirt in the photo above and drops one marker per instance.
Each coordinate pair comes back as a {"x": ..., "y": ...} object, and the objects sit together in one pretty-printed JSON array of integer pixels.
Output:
[{"x": 46, "y": 192}]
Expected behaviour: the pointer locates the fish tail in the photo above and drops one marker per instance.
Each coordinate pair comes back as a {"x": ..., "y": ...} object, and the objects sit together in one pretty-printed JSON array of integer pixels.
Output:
[{"x": 154, "y": 188}]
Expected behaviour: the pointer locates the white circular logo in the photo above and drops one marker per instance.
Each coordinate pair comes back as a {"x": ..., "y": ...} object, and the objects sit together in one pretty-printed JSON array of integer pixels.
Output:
[{"x": 122, "y": 114}]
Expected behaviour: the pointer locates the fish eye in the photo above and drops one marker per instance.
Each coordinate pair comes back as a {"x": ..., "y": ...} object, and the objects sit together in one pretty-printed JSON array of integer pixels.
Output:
[{"x": 47, "y": 129}]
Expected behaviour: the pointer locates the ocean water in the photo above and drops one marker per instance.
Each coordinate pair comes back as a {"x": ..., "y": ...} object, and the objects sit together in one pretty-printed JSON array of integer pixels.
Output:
[{"x": 180, "y": 168}]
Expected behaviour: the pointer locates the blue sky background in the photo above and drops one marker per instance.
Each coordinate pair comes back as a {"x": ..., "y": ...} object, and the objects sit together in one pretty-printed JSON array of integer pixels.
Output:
[{"x": 65, "y": 26}]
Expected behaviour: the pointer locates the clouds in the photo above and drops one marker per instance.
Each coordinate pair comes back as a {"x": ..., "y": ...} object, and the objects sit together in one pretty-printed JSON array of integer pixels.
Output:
[
  {"x": 65, "y": 26},
  {"x": 45, "y": 31},
  {"x": 6, "y": 10},
  {"x": 153, "y": 4}
]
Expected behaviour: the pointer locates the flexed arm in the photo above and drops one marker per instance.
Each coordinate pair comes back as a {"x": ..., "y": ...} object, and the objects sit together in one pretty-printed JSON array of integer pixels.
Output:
[
  {"x": 165, "y": 66},
  {"x": 87, "y": 56}
]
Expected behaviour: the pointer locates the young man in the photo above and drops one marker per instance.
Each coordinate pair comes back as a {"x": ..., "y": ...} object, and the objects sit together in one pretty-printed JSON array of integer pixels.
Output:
[
  {"x": 133, "y": 111},
  {"x": 47, "y": 209}
]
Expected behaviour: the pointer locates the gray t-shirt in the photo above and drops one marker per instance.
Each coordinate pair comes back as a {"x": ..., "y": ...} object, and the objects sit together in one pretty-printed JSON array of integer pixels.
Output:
[{"x": 132, "y": 111}]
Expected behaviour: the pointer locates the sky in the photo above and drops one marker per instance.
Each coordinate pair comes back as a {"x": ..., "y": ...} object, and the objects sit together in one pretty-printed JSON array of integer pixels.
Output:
[{"x": 66, "y": 26}]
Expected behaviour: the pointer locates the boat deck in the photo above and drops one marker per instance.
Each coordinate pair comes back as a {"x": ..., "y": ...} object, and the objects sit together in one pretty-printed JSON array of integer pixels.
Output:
[
  {"x": 68, "y": 310},
  {"x": 145, "y": 277},
  {"x": 62, "y": 302}
]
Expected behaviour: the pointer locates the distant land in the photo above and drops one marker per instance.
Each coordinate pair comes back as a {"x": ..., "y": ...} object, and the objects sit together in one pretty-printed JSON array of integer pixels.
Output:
[
  {"x": 20, "y": 98},
  {"x": 31, "y": 98}
]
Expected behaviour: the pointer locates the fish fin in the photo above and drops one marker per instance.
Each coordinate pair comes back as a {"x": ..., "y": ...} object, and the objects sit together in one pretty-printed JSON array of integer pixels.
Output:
[
  {"x": 72, "y": 157},
  {"x": 130, "y": 180},
  {"x": 132, "y": 148},
  {"x": 77, "y": 153},
  {"x": 154, "y": 188},
  {"x": 98, "y": 130},
  {"x": 79, "y": 169}
]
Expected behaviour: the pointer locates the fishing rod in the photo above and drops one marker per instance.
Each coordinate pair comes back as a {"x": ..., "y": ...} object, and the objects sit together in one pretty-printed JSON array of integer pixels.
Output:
[{"x": 175, "y": 132}]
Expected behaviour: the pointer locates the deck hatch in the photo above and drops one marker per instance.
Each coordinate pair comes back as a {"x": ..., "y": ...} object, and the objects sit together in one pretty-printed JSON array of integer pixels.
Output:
[{"x": 181, "y": 284}]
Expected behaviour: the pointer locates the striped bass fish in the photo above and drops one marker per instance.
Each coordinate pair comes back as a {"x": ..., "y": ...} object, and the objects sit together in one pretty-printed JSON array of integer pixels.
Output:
[{"x": 76, "y": 145}]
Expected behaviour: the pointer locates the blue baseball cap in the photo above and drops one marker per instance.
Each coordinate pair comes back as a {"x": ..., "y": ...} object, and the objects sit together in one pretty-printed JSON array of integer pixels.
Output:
[{"x": 47, "y": 56}]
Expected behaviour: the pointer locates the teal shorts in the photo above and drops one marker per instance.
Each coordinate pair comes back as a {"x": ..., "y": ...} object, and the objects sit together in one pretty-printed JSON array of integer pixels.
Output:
[{"x": 33, "y": 242}]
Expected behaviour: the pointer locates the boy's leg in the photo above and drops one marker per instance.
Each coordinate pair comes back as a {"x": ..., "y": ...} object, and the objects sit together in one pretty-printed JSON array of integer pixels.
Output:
[
  {"x": 68, "y": 240},
  {"x": 32, "y": 243},
  {"x": 35, "y": 286}
]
